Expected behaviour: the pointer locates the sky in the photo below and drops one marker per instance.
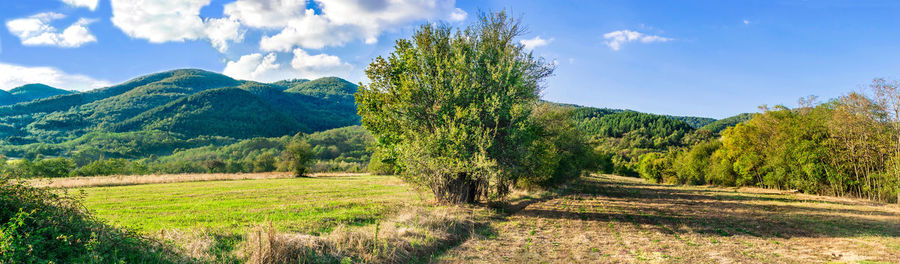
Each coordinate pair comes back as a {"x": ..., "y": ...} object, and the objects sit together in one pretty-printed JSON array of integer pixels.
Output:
[{"x": 697, "y": 58}]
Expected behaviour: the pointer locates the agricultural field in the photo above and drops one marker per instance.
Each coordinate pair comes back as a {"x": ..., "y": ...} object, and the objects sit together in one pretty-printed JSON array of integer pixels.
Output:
[
  {"x": 596, "y": 219},
  {"x": 604, "y": 219},
  {"x": 309, "y": 205}
]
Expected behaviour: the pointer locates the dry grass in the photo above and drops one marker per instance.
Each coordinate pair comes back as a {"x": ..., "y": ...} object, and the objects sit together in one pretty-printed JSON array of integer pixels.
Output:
[
  {"x": 414, "y": 235},
  {"x": 122, "y": 180},
  {"x": 610, "y": 219}
]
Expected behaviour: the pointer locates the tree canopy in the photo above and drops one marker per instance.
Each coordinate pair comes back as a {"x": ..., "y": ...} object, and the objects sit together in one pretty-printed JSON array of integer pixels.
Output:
[{"x": 451, "y": 109}]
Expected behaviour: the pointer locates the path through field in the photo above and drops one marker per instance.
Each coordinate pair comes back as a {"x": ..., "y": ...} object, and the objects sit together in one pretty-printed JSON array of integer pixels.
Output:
[{"x": 610, "y": 219}]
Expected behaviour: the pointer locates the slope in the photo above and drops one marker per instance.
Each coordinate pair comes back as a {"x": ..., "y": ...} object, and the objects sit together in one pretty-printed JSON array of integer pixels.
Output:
[
  {"x": 719, "y": 125},
  {"x": 228, "y": 112}
]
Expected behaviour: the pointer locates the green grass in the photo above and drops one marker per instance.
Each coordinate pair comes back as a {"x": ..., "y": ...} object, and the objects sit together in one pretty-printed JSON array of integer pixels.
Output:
[{"x": 308, "y": 205}]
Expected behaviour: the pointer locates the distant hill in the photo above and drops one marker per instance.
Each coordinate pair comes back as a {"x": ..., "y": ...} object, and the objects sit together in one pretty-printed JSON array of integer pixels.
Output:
[
  {"x": 719, "y": 125},
  {"x": 186, "y": 103},
  {"x": 29, "y": 92},
  {"x": 694, "y": 121},
  {"x": 228, "y": 112}
]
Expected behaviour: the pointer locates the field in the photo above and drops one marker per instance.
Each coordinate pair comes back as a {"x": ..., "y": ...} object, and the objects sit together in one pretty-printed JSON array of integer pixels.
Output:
[
  {"x": 597, "y": 219},
  {"x": 309, "y": 205},
  {"x": 616, "y": 219}
]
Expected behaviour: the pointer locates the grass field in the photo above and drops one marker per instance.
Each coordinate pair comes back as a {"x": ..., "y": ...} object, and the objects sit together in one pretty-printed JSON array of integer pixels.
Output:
[
  {"x": 309, "y": 205},
  {"x": 597, "y": 219},
  {"x": 603, "y": 219}
]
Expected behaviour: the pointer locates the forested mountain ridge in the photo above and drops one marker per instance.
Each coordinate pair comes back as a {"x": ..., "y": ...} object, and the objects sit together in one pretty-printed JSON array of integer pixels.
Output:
[
  {"x": 29, "y": 92},
  {"x": 184, "y": 104}
]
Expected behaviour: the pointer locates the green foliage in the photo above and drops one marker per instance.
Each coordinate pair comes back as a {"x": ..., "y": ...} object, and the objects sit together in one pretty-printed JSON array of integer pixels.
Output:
[
  {"x": 452, "y": 109},
  {"x": 561, "y": 153},
  {"x": 844, "y": 147},
  {"x": 300, "y": 157},
  {"x": 228, "y": 112},
  {"x": 692, "y": 166},
  {"x": 694, "y": 121},
  {"x": 39, "y": 226},
  {"x": 719, "y": 125},
  {"x": 656, "y": 167},
  {"x": 29, "y": 92},
  {"x": 111, "y": 167},
  {"x": 53, "y": 168},
  {"x": 172, "y": 107}
]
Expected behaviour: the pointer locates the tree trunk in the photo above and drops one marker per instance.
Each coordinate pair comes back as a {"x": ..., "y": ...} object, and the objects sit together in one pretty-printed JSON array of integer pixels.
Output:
[{"x": 457, "y": 189}]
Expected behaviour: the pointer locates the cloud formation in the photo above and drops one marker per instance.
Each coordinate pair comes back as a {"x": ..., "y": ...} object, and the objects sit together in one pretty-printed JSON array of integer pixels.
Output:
[
  {"x": 173, "y": 21},
  {"x": 339, "y": 21},
  {"x": 14, "y": 76},
  {"x": 616, "y": 39},
  {"x": 258, "y": 67},
  {"x": 36, "y": 31},
  {"x": 531, "y": 44},
  {"x": 90, "y": 4}
]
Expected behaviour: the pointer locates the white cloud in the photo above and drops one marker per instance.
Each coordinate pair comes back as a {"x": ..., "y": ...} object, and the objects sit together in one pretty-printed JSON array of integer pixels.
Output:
[
  {"x": 256, "y": 67},
  {"x": 15, "y": 76},
  {"x": 90, "y": 4},
  {"x": 36, "y": 31},
  {"x": 616, "y": 39},
  {"x": 266, "y": 68},
  {"x": 309, "y": 31},
  {"x": 160, "y": 21},
  {"x": 340, "y": 21},
  {"x": 315, "y": 66},
  {"x": 746, "y": 22},
  {"x": 221, "y": 30},
  {"x": 265, "y": 13},
  {"x": 531, "y": 44}
]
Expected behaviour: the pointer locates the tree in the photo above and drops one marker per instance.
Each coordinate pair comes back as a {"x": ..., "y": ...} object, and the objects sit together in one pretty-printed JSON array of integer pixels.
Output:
[
  {"x": 300, "y": 156},
  {"x": 452, "y": 107},
  {"x": 264, "y": 163}
]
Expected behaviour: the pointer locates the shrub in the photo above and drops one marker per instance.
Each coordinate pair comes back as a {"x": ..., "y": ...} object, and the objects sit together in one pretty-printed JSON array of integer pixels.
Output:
[{"x": 39, "y": 226}]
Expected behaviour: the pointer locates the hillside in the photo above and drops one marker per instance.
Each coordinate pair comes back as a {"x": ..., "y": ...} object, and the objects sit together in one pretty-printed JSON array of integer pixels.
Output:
[
  {"x": 694, "y": 121},
  {"x": 29, "y": 92},
  {"x": 185, "y": 104},
  {"x": 724, "y": 123},
  {"x": 228, "y": 112}
]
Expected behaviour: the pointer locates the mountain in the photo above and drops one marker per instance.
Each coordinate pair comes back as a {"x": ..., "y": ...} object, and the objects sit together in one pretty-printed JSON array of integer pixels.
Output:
[
  {"x": 719, "y": 125},
  {"x": 328, "y": 88},
  {"x": 29, "y": 92},
  {"x": 228, "y": 112},
  {"x": 694, "y": 121},
  {"x": 187, "y": 104}
]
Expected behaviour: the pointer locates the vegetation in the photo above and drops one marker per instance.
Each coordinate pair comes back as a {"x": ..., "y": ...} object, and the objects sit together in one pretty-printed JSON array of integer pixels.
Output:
[
  {"x": 719, "y": 125},
  {"x": 39, "y": 226},
  {"x": 342, "y": 149},
  {"x": 613, "y": 219},
  {"x": 453, "y": 112},
  {"x": 179, "y": 105},
  {"x": 849, "y": 146},
  {"x": 309, "y": 205},
  {"x": 695, "y": 122},
  {"x": 29, "y": 92}
]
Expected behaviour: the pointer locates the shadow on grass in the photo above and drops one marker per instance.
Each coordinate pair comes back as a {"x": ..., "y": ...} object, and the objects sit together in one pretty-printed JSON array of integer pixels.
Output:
[{"x": 671, "y": 208}]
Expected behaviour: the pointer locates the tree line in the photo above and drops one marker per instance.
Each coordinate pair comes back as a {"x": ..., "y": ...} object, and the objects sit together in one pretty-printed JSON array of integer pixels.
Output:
[
  {"x": 849, "y": 146},
  {"x": 342, "y": 149}
]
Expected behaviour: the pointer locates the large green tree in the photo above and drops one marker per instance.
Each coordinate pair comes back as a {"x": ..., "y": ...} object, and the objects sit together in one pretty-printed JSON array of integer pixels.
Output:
[{"x": 451, "y": 108}]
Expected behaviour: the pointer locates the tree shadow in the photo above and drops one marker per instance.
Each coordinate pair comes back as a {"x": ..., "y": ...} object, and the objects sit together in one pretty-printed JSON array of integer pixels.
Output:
[{"x": 671, "y": 208}]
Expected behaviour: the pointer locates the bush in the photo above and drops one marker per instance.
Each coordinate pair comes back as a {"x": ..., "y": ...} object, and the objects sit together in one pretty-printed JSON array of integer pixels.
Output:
[{"x": 38, "y": 226}]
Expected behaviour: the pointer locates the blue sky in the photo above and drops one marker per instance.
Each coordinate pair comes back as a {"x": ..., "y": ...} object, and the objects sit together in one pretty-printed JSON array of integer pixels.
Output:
[{"x": 701, "y": 58}]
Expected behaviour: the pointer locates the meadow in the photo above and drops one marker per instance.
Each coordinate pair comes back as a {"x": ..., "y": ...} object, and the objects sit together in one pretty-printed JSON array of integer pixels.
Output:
[
  {"x": 595, "y": 219},
  {"x": 308, "y": 205}
]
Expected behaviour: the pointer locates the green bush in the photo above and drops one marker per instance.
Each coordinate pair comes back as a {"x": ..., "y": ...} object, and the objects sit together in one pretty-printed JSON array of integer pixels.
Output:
[{"x": 39, "y": 226}]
